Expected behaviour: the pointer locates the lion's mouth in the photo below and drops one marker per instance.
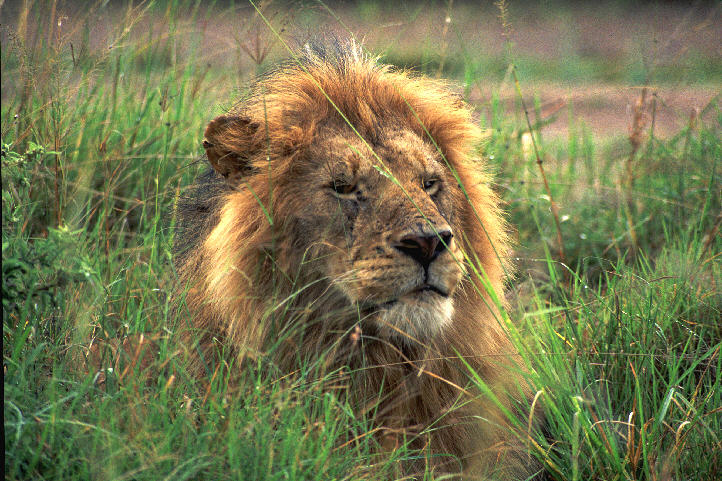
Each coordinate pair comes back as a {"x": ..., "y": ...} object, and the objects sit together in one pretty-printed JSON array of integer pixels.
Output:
[
  {"x": 424, "y": 289},
  {"x": 430, "y": 288}
]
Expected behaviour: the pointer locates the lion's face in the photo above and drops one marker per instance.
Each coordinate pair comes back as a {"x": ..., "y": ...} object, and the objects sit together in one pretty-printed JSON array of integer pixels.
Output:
[
  {"x": 384, "y": 220},
  {"x": 367, "y": 213}
]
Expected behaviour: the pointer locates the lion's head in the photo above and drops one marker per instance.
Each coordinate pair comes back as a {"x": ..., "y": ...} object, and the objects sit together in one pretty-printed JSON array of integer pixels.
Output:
[{"x": 347, "y": 195}]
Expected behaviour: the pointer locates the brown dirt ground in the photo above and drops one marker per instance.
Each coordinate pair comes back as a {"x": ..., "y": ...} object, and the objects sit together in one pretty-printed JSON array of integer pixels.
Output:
[
  {"x": 607, "y": 110},
  {"x": 665, "y": 34}
]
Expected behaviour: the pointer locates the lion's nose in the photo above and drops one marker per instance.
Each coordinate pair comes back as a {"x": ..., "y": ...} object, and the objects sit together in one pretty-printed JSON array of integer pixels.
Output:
[{"x": 424, "y": 248}]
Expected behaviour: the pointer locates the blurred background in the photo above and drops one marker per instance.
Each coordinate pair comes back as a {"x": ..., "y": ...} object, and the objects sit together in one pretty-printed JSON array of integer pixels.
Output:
[{"x": 589, "y": 58}]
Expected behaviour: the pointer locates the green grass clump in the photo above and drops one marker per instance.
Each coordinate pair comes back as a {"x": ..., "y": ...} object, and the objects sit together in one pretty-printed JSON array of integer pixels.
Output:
[
  {"x": 630, "y": 370},
  {"x": 621, "y": 336},
  {"x": 673, "y": 191}
]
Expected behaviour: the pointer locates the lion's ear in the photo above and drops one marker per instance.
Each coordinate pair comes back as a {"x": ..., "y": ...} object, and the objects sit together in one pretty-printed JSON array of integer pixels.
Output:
[{"x": 229, "y": 143}]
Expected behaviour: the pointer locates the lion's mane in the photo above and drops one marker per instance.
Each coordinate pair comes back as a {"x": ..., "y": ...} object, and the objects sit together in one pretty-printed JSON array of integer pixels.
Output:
[{"x": 251, "y": 283}]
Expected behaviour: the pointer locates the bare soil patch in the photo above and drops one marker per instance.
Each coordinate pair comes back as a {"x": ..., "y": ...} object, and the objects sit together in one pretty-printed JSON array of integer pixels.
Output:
[{"x": 606, "y": 110}]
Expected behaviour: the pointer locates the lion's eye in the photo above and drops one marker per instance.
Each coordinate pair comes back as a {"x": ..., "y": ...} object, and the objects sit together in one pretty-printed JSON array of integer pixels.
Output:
[
  {"x": 431, "y": 186},
  {"x": 343, "y": 189}
]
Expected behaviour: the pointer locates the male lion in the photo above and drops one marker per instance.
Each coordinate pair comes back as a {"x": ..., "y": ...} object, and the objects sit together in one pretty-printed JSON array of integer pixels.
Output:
[{"x": 346, "y": 222}]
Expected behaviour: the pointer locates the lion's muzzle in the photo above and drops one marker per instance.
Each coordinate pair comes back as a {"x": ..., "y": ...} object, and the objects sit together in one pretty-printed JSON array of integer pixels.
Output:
[
  {"x": 422, "y": 247},
  {"x": 418, "y": 283}
]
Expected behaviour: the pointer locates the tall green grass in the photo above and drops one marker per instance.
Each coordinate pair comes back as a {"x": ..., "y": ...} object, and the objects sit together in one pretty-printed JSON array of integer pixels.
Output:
[{"x": 622, "y": 340}]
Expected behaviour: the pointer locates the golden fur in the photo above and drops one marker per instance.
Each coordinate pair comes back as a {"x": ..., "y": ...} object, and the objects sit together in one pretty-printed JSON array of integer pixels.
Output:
[{"x": 341, "y": 234}]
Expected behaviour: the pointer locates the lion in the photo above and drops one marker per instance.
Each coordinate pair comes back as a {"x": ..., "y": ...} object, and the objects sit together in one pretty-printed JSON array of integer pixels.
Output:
[{"x": 347, "y": 220}]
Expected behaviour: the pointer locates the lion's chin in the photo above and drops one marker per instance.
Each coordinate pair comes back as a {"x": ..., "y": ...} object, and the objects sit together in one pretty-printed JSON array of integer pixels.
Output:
[{"x": 415, "y": 317}]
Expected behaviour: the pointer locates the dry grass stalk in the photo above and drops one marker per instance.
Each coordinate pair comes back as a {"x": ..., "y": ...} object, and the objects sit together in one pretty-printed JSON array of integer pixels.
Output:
[
  {"x": 256, "y": 41},
  {"x": 506, "y": 26},
  {"x": 691, "y": 127},
  {"x": 636, "y": 138},
  {"x": 650, "y": 143},
  {"x": 444, "y": 42},
  {"x": 539, "y": 163},
  {"x": 711, "y": 235}
]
